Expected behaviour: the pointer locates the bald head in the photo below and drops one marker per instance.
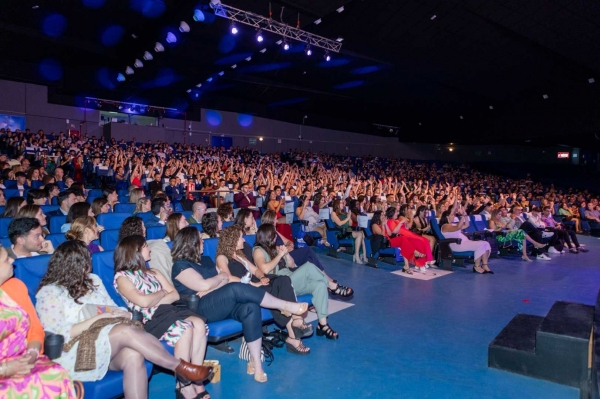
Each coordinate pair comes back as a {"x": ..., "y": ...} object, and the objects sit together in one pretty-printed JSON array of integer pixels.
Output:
[{"x": 198, "y": 209}]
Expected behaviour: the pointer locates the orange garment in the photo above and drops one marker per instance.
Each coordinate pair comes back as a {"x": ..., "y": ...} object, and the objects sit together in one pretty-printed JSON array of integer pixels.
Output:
[{"x": 18, "y": 292}]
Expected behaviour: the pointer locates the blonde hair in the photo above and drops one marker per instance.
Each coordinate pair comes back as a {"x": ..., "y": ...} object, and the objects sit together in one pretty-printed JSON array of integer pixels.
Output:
[
  {"x": 135, "y": 195},
  {"x": 268, "y": 217},
  {"x": 140, "y": 204},
  {"x": 78, "y": 227}
]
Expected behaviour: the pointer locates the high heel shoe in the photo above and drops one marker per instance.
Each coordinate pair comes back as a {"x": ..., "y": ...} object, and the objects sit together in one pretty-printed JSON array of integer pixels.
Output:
[
  {"x": 486, "y": 271},
  {"x": 301, "y": 310},
  {"x": 526, "y": 259},
  {"x": 407, "y": 270},
  {"x": 327, "y": 331},
  {"x": 475, "y": 270},
  {"x": 258, "y": 378},
  {"x": 356, "y": 259},
  {"x": 186, "y": 372}
]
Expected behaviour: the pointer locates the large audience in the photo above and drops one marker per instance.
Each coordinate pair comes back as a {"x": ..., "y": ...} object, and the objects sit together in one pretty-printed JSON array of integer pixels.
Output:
[{"x": 203, "y": 193}]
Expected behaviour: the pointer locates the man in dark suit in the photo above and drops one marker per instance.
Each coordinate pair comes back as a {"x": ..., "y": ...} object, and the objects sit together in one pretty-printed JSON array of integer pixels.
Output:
[
  {"x": 65, "y": 200},
  {"x": 262, "y": 194},
  {"x": 160, "y": 211},
  {"x": 156, "y": 184},
  {"x": 173, "y": 191},
  {"x": 245, "y": 199}
]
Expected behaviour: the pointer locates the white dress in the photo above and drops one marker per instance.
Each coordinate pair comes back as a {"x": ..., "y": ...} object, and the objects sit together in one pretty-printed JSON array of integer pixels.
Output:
[
  {"x": 58, "y": 312},
  {"x": 313, "y": 219},
  {"x": 479, "y": 247}
]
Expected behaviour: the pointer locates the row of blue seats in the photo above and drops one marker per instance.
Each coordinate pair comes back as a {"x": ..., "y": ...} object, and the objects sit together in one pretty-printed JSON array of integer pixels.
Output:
[{"x": 31, "y": 271}]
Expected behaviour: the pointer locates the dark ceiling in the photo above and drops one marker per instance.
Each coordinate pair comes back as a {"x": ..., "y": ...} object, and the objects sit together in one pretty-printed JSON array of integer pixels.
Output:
[{"x": 433, "y": 69}]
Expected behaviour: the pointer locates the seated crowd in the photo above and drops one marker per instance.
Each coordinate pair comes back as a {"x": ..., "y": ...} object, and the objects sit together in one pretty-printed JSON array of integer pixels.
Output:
[{"x": 193, "y": 193}]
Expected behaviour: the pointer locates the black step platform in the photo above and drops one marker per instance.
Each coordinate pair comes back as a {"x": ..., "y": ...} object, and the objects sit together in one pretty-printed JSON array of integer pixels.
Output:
[{"x": 553, "y": 348}]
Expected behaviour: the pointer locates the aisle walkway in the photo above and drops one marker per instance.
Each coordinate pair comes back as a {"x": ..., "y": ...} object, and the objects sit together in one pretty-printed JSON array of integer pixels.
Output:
[{"x": 406, "y": 338}]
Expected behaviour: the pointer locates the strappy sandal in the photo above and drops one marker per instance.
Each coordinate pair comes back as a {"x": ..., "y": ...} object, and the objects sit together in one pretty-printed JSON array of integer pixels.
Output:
[
  {"x": 301, "y": 310},
  {"x": 203, "y": 395},
  {"x": 407, "y": 271},
  {"x": 178, "y": 394},
  {"x": 327, "y": 331},
  {"x": 486, "y": 271},
  {"x": 418, "y": 254},
  {"x": 341, "y": 290},
  {"x": 305, "y": 330},
  {"x": 301, "y": 349},
  {"x": 257, "y": 378}
]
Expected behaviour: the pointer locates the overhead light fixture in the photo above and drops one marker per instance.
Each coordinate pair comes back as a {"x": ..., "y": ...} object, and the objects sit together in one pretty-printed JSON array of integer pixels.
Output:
[
  {"x": 35, "y": 7},
  {"x": 184, "y": 27},
  {"x": 134, "y": 35},
  {"x": 221, "y": 73},
  {"x": 450, "y": 149},
  {"x": 259, "y": 36},
  {"x": 188, "y": 91},
  {"x": 286, "y": 45},
  {"x": 129, "y": 70},
  {"x": 318, "y": 21},
  {"x": 120, "y": 107},
  {"x": 461, "y": 117},
  {"x": 234, "y": 29},
  {"x": 234, "y": 66},
  {"x": 278, "y": 42},
  {"x": 591, "y": 80},
  {"x": 121, "y": 77},
  {"x": 340, "y": 39},
  {"x": 199, "y": 85},
  {"x": 138, "y": 63},
  {"x": 248, "y": 58},
  {"x": 260, "y": 139},
  {"x": 491, "y": 107},
  {"x": 198, "y": 16},
  {"x": 327, "y": 56},
  {"x": 263, "y": 50},
  {"x": 171, "y": 38},
  {"x": 545, "y": 96},
  {"x": 159, "y": 47},
  {"x": 308, "y": 50},
  {"x": 148, "y": 56},
  {"x": 339, "y": 10},
  {"x": 209, "y": 80},
  {"x": 433, "y": 17}
]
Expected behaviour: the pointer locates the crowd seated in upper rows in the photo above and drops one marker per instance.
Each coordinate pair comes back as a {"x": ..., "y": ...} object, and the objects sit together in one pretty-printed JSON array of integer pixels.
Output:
[{"x": 165, "y": 204}]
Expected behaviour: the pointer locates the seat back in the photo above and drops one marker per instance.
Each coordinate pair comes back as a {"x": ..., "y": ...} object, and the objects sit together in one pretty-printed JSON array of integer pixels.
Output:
[
  {"x": 103, "y": 265},
  {"x": 4, "y": 222},
  {"x": 435, "y": 228},
  {"x": 112, "y": 220},
  {"x": 198, "y": 226},
  {"x": 125, "y": 208},
  {"x": 56, "y": 239},
  {"x": 155, "y": 233},
  {"x": 145, "y": 215},
  {"x": 5, "y": 242},
  {"x": 250, "y": 239},
  {"x": 31, "y": 271},
  {"x": 210, "y": 248},
  {"x": 479, "y": 222},
  {"x": 227, "y": 224},
  {"x": 109, "y": 239},
  {"x": 56, "y": 223},
  {"x": 12, "y": 192},
  {"x": 49, "y": 208}
]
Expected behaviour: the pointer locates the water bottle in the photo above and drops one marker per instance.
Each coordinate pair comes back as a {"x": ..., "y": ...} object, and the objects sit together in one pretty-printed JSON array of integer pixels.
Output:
[{"x": 246, "y": 279}]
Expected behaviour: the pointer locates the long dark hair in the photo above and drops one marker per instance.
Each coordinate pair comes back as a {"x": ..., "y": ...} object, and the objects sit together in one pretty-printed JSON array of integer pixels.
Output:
[
  {"x": 210, "y": 222},
  {"x": 128, "y": 255},
  {"x": 376, "y": 219},
  {"x": 265, "y": 239},
  {"x": 444, "y": 218},
  {"x": 389, "y": 213},
  {"x": 240, "y": 219},
  {"x": 70, "y": 267},
  {"x": 133, "y": 225},
  {"x": 77, "y": 210},
  {"x": 12, "y": 207},
  {"x": 173, "y": 225},
  {"x": 186, "y": 245}
]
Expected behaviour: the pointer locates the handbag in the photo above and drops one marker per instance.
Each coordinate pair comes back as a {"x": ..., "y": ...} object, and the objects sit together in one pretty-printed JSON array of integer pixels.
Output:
[{"x": 265, "y": 352}]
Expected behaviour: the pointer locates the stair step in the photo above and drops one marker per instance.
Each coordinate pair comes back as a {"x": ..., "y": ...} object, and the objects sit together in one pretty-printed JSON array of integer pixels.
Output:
[
  {"x": 520, "y": 333},
  {"x": 569, "y": 319}
]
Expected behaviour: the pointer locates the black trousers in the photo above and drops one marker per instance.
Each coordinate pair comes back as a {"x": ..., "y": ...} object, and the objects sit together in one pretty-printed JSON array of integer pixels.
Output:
[
  {"x": 535, "y": 234},
  {"x": 567, "y": 236},
  {"x": 280, "y": 287},
  {"x": 237, "y": 301}
]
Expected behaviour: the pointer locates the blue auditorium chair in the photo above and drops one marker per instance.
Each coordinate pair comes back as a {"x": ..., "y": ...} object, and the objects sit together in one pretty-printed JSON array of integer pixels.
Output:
[
  {"x": 250, "y": 239},
  {"x": 109, "y": 239},
  {"x": 210, "y": 248},
  {"x": 49, "y": 208},
  {"x": 145, "y": 215},
  {"x": 125, "y": 208},
  {"x": 446, "y": 257},
  {"x": 56, "y": 239},
  {"x": 198, "y": 226},
  {"x": 112, "y": 220},
  {"x": 31, "y": 271},
  {"x": 155, "y": 233},
  {"x": 4, "y": 222},
  {"x": 103, "y": 265},
  {"x": 56, "y": 223}
]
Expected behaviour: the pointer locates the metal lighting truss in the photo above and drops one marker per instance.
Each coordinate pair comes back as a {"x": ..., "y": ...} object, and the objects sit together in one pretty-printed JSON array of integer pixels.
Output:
[{"x": 268, "y": 24}]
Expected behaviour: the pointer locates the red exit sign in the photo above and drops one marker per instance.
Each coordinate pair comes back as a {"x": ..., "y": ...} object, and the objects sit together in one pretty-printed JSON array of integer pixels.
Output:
[{"x": 563, "y": 155}]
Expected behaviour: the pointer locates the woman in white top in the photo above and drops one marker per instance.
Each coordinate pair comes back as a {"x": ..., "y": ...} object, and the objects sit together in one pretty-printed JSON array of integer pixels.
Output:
[
  {"x": 481, "y": 249},
  {"x": 305, "y": 212}
]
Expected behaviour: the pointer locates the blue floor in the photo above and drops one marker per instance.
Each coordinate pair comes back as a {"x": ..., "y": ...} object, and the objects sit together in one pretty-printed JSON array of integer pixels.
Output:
[{"x": 406, "y": 338}]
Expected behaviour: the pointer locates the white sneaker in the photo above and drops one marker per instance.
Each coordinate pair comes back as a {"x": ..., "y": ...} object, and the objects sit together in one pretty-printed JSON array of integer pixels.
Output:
[
  {"x": 543, "y": 257},
  {"x": 553, "y": 250},
  {"x": 421, "y": 270}
]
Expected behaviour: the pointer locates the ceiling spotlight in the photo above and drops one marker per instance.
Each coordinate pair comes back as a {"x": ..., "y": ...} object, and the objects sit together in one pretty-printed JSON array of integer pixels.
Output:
[
  {"x": 545, "y": 96},
  {"x": 327, "y": 56},
  {"x": 199, "y": 85},
  {"x": 234, "y": 29},
  {"x": 120, "y": 77},
  {"x": 491, "y": 107},
  {"x": 120, "y": 107},
  {"x": 248, "y": 58},
  {"x": 278, "y": 42},
  {"x": 308, "y": 50},
  {"x": 184, "y": 27},
  {"x": 433, "y": 17},
  {"x": 198, "y": 16},
  {"x": 134, "y": 35},
  {"x": 188, "y": 91},
  {"x": 147, "y": 56},
  {"x": 339, "y": 10},
  {"x": 286, "y": 45},
  {"x": 259, "y": 36},
  {"x": 209, "y": 80},
  {"x": 171, "y": 38},
  {"x": 35, "y": 7},
  {"x": 339, "y": 39},
  {"x": 138, "y": 63},
  {"x": 318, "y": 21},
  {"x": 260, "y": 139},
  {"x": 129, "y": 70},
  {"x": 221, "y": 73},
  {"x": 263, "y": 50},
  {"x": 591, "y": 80},
  {"x": 158, "y": 47},
  {"x": 234, "y": 66}
]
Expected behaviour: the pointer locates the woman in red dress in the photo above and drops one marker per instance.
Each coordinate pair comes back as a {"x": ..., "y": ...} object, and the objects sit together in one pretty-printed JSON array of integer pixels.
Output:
[{"x": 414, "y": 248}]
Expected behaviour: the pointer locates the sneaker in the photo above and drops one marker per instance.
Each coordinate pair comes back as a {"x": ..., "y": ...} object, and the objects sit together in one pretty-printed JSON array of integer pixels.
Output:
[
  {"x": 421, "y": 270},
  {"x": 553, "y": 250},
  {"x": 582, "y": 249},
  {"x": 543, "y": 257}
]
